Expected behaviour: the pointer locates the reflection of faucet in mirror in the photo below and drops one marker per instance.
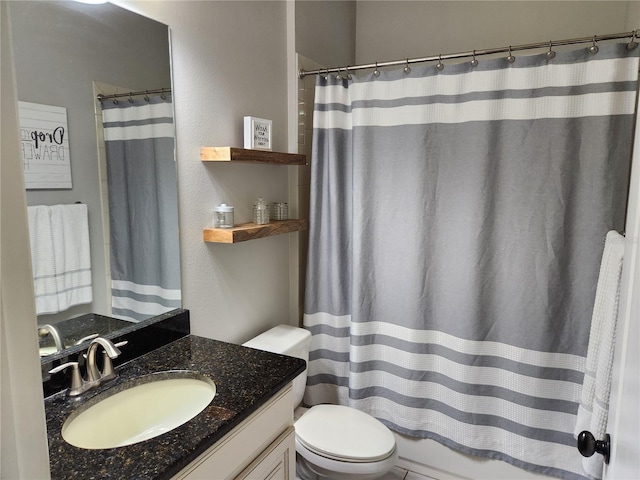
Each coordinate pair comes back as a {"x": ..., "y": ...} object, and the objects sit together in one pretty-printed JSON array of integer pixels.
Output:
[
  {"x": 45, "y": 330},
  {"x": 85, "y": 339},
  {"x": 59, "y": 339}
]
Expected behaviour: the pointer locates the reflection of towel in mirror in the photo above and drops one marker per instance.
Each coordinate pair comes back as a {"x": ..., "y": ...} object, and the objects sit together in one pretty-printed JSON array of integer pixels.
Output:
[
  {"x": 60, "y": 256},
  {"x": 43, "y": 260},
  {"x": 594, "y": 406}
]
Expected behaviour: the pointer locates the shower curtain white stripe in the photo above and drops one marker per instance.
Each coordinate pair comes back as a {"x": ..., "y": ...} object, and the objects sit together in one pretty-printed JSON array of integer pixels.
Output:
[
  {"x": 144, "y": 112},
  {"x": 138, "y": 132},
  {"x": 456, "y": 229},
  {"x": 498, "y": 377},
  {"x": 578, "y": 106},
  {"x": 569, "y": 75},
  {"x": 414, "y": 417},
  {"x": 466, "y": 436},
  {"x": 147, "y": 289},
  {"x": 146, "y": 308},
  {"x": 461, "y": 374},
  {"x": 532, "y": 357}
]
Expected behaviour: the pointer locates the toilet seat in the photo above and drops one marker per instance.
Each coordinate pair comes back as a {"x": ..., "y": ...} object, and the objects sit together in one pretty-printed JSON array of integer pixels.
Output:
[{"x": 344, "y": 434}]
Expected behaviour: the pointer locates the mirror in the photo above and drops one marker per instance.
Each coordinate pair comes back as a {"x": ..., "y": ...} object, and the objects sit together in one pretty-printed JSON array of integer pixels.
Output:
[{"x": 66, "y": 53}]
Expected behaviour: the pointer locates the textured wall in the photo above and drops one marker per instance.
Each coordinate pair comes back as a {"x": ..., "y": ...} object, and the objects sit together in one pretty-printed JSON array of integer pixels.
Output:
[{"x": 228, "y": 60}]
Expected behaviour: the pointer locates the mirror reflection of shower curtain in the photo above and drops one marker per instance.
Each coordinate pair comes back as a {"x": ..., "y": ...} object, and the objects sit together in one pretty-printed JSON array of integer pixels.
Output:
[{"x": 143, "y": 207}]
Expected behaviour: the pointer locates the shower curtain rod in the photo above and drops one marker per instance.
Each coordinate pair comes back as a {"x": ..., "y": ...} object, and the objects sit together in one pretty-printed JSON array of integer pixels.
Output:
[
  {"x": 161, "y": 91},
  {"x": 475, "y": 53}
]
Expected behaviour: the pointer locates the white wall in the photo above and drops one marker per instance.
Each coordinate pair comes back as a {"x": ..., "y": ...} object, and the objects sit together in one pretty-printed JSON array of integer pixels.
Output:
[
  {"x": 392, "y": 30},
  {"x": 22, "y": 425},
  {"x": 325, "y": 31},
  {"x": 633, "y": 15},
  {"x": 229, "y": 60}
]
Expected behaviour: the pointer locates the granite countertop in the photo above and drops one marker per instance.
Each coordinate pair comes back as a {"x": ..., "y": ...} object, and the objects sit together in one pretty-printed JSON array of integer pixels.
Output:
[{"x": 245, "y": 379}]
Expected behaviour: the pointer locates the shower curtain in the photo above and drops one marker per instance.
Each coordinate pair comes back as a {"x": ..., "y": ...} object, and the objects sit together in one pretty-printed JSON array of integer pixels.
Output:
[
  {"x": 143, "y": 207},
  {"x": 456, "y": 229}
]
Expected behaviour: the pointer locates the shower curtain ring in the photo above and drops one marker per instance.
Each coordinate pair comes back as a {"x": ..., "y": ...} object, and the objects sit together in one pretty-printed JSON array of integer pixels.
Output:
[
  {"x": 593, "y": 49},
  {"x": 163, "y": 96},
  {"x": 474, "y": 61},
  {"x": 338, "y": 76},
  {"x": 407, "y": 69},
  {"x": 326, "y": 75},
  {"x": 551, "y": 54},
  {"x": 130, "y": 98},
  {"x": 376, "y": 72},
  {"x": 146, "y": 95},
  {"x": 349, "y": 77},
  {"x": 439, "y": 65},
  {"x": 632, "y": 44},
  {"x": 511, "y": 58},
  {"x": 115, "y": 101}
]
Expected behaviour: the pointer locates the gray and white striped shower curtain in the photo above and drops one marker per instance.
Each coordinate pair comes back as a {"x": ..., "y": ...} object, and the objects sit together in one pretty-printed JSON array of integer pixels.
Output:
[
  {"x": 143, "y": 207},
  {"x": 457, "y": 224}
]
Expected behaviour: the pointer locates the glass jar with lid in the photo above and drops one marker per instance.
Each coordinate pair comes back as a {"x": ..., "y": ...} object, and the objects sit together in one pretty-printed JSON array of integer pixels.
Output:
[
  {"x": 260, "y": 212},
  {"x": 223, "y": 216}
]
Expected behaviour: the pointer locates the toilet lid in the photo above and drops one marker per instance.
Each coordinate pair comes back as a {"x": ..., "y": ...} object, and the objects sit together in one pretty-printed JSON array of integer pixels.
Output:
[{"x": 344, "y": 433}]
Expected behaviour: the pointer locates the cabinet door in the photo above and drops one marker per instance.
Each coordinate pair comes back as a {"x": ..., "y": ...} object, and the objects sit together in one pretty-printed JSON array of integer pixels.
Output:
[
  {"x": 246, "y": 442},
  {"x": 277, "y": 462}
]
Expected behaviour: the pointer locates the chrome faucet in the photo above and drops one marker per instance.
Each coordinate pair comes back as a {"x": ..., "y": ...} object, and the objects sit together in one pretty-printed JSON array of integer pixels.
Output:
[
  {"x": 93, "y": 376},
  {"x": 47, "y": 329}
]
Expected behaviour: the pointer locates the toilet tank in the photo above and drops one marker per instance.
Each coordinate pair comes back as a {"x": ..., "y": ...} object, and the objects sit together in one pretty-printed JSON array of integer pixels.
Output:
[{"x": 286, "y": 340}]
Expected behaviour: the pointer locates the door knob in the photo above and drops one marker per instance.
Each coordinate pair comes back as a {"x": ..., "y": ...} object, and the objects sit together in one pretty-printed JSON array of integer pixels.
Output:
[{"x": 588, "y": 445}]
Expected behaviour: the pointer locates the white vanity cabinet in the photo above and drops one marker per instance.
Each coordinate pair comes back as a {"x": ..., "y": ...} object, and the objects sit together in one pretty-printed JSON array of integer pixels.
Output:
[{"x": 261, "y": 447}]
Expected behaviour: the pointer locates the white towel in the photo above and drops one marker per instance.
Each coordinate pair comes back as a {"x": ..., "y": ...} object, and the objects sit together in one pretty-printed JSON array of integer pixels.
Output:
[
  {"x": 61, "y": 260},
  {"x": 594, "y": 406},
  {"x": 70, "y": 226},
  {"x": 43, "y": 260}
]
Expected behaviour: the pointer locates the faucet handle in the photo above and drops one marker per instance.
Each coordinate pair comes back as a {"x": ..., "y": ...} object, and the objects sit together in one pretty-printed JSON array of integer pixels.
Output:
[
  {"x": 107, "y": 364},
  {"x": 59, "y": 368},
  {"x": 76, "y": 379}
]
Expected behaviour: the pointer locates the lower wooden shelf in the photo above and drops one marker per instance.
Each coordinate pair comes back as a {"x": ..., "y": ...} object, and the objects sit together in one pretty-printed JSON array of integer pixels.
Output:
[{"x": 251, "y": 231}]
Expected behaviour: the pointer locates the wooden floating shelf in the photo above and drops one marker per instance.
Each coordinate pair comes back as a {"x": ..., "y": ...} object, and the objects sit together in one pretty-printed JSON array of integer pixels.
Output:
[
  {"x": 251, "y": 231},
  {"x": 233, "y": 154}
]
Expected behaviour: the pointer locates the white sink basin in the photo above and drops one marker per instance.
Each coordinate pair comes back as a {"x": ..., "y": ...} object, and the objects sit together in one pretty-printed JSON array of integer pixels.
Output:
[
  {"x": 139, "y": 413},
  {"x": 44, "y": 351}
]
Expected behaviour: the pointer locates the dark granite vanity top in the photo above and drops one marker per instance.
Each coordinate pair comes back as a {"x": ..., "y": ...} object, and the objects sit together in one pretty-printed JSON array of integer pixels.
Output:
[{"x": 245, "y": 379}]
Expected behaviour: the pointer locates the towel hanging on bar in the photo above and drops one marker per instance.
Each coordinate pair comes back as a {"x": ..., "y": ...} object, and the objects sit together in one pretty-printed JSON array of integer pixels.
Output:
[
  {"x": 60, "y": 256},
  {"x": 593, "y": 411}
]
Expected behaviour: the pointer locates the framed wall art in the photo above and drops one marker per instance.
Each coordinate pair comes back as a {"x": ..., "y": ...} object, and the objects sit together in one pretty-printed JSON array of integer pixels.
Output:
[{"x": 257, "y": 133}]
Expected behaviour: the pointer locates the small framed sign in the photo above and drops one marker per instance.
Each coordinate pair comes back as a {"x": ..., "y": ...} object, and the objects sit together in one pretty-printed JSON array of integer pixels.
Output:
[
  {"x": 44, "y": 139},
  {"x": 257, "y": 133}
]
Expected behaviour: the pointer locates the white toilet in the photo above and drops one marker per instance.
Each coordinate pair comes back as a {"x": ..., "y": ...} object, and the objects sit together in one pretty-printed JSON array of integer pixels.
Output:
[{"x": 332, "y": 441}]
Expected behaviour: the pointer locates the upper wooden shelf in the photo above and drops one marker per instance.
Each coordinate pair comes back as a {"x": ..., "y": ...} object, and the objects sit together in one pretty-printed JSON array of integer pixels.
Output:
[
  {"x": 250, "y": 231},
  {"x": 233, "y": 154}
]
